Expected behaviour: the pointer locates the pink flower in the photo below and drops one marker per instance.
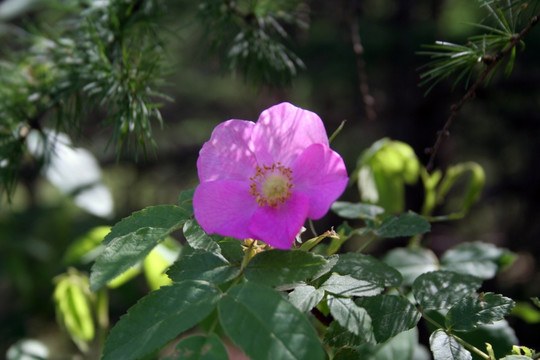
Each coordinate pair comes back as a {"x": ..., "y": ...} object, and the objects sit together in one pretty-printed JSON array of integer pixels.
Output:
[{"x": 262, "y": 180}]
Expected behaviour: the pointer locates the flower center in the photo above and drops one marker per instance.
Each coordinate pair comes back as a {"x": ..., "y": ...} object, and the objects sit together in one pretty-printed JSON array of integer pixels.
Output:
[{"x": 271, "y": 185}]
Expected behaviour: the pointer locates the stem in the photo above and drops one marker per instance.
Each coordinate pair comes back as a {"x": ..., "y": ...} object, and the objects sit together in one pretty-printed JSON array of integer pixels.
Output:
[
  {"x": 247, "y": 257},
  {"x": 455, "y": 108}
]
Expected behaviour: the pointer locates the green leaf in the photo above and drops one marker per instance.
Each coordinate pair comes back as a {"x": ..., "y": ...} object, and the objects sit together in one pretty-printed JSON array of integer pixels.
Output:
[
  {"x": 408, "y": 224},
  {"x": 349, "y": 210},
  {"x": 279, "y": 267},
  {"x": 305, "y": 297},
  {"x": 499, "y": 334},
  {"x": 446, "y": 347},
  {"x": 390, "y": 315},
  {"x": 353, "y": 318},
  {"x": 200, "y": 265},
  {"x": 231, "y": 249},
  {"x": 367, "y": 268},
  {"x": 132, "y": 239},
  {"x": 516, "y": 357},
  {"x": 326, "y": 268},
  {"x": 471, "y": 311},
  {"x": 478, "y": 259},
  {"x": 337, "y": 336},
  {"x": 185, "y": 201},
  {"x": 345, "y": 285},
  {"x": 200, "y": 347},
  {"x": 160, "y": 217},
  {"x": 198, "y": 239},
  {"x": 347, "y": 354},
  {"x": 412, "y": 262},
  {"x": 403, "y": 346},
  {"x": 442, "y": 289},
  {"x": 158, "y": 318},
  {"x": 266, "y": 326}
]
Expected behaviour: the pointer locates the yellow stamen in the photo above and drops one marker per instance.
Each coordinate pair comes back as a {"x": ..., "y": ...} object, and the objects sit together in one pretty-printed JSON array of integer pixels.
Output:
[{"x": 271, "y": 185}]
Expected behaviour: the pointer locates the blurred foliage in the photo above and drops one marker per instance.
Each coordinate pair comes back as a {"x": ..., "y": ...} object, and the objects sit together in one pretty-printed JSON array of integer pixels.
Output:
[
  {"x": 99, "y": 55},
  {"x": 498, "y": 130},
  {"x": 249, "y": 36}
]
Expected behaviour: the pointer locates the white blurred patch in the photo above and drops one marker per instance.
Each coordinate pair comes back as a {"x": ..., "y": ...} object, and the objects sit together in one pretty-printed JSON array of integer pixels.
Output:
[
  {"x": 27, "y": 349},
  {"x": 74, "y": 171}
]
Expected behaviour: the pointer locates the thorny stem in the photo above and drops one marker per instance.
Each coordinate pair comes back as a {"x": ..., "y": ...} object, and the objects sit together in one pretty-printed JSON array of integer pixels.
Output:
[
  {"x": 455, "y": 108},
  {"x": 358, "y": 50}
]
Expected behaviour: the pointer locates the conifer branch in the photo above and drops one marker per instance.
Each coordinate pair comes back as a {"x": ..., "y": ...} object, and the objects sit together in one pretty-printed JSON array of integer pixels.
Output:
[{"x": 456, "y": 107}]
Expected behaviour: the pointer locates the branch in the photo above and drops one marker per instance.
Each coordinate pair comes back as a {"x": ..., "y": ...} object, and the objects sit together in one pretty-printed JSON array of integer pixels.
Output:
[
  {"x": 358, "y": 49},
  {"x": 456, "y": 107}
]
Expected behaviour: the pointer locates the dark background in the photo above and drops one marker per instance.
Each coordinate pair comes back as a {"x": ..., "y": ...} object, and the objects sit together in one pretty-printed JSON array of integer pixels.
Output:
[{"x": 499, "y": 129}]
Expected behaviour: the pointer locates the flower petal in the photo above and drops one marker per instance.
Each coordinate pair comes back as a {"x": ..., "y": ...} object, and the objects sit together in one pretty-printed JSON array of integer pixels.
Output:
[
  {"x": 224, "y": 207},
  {"x": 279, "y": 226},
  {"x": 319, "y": 173},
  {"x": 228, "y": 154},
  {"x": 284, "y": 131}
]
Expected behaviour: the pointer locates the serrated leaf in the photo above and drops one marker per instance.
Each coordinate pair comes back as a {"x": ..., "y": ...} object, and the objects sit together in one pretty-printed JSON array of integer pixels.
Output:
[
  {"x": 442, "y": 289},
  {"x": 353, "y": 318},
  {"x": 446, "y": 347},
  {"x": 350, "y": 210},
  {"x": 471, "y": 311},
  {"x": 408, "y": 224},
  {"x": 367, "y": 268},
  {"x": 477, "y": 259},
  {"x": 279, "y": 267},
  {"x": 337, "y": 336},
  {"x": 197, "y": 238},
  {"x": 132, "y": 239},
  {"x": 201, "y": 265},
  {"x": 390, "y": 315},
  {"x": 266, "y": 326},
  {"x": 231, "y": 249},
  {"x": 305, "y": 297},
  {"x": 412, "y": 262},
  {"x": 345, "y": 285},
  {"x": 200, "y": 347},
  {"x": 326, "y": 268},
  {"x": 160, "y": 217},
  {"x": 158, "y": 318}
]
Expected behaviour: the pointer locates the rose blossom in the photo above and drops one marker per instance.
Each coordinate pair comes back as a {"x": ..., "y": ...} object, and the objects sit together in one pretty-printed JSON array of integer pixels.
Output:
[{"x": 262, "y": 180}]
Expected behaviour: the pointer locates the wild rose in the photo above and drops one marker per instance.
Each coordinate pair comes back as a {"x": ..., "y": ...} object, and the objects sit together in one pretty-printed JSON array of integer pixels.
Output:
[{"x": 262, "y": 180}]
